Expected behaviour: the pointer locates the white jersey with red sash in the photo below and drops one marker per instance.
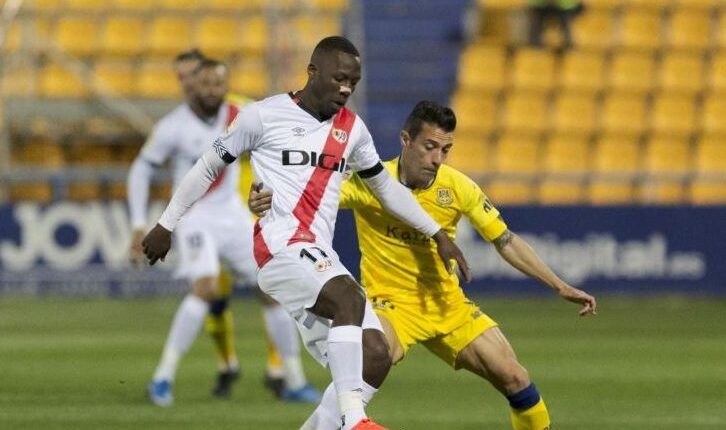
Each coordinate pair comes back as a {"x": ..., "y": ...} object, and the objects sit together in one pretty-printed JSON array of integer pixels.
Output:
[{"x": 302, "y": 160}]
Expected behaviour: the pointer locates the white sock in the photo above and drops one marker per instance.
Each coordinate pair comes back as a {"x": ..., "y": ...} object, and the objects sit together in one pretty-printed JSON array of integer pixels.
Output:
[
  {"x": 283, "y": 333},
  {"x": 345, "y": 359},
  {"x": 327, "y": 415},
  {"x": 184, "y": 329}
]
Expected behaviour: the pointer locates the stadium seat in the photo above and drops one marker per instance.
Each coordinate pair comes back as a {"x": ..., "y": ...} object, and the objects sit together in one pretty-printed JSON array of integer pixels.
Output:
[
  {"x": 722, "y": 30},
  {"x": 250, "y": 79},
  {"x": 605, "y": 4},
  {"x": 160, "y": 191},
  {"x": 89, "y": 154},
  {"x": 509, "y": 192},
  {"x": 56, "y": 82},
  {"x": 157, "y": 80},
  {"x": 525, "y": 113},
  {"x": 623, "y": 113},
  {"x": 594, "y": 30},
  {"x": 43, "y": 5},
  {"x": 469, "y": 154},
  {"x": 39, "y": 152},
  {"x": 662, "y": 192},
  {"x": 254, "y": 35},
  {"x": 84, "y": 191},
  {"x": 116, "y": 191},
  {"x": 41, "y": 192},
  {"x": 566, "y": 155},
  {"x": 682, "y": 73},
  {"x": 641, "y": 29},
  {"x": 482, "y": 68},
  {"x": 667, "y": 157},
  {"x": 85, "y": 5},
  {"x": 169, "y": 35},
  {"x": 714, "y": 114},
  {"x": 673, "y": 115},
  {"x": 516, "y": 155},
  {"x": 19, "y": 81},
  {"x": 309, "y": 30},
  {"x": 190, "y": 5},
  {"x": 77, "y": 36},
  {"x": 234, "y": 4},
  {"x": 656, "y": 5},
  {"x": 28, "y": 35},
  {"x": 632, "y": 72},
  {"x": 616, "y": 157},
  {"x": 475, "y": 113},
  {"x": 115, "y": 77},
  {"x": 697, "y": 4},
  {"x": 574, "y": 113},
  {"x": 717, "y": 73},
  {"x": 123, "y": 36},
  {"x": 560, "y": 192},
  {"x": 711, "y": 157},
  {"x": 582, "y": 71},
  {"x": 610, "y": 192},
  {"x": 533, "y": 69},
  {"x": 708, "y": 192},
  {"x": 690, "y": 29},
  {"x": 134, "y": 4},
  {"x": 217, "y": 35}
]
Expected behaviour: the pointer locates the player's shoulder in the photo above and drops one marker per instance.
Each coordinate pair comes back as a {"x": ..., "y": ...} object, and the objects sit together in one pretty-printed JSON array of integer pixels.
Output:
[
  {"x": 461, "y": 184},
  {"x": 170, "y": 122}
]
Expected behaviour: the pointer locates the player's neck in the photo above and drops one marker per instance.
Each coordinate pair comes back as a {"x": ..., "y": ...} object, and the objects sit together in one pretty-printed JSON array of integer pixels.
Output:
[
  {"x": 402, "y": 178},
  {"x": 309, "y": 104},
  {"x": 201, "y": 114}
]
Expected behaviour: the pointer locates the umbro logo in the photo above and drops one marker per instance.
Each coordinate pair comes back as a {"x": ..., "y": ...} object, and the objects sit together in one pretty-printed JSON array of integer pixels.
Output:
[
  {"x": 298, "y": 131},
  {"x": 341, "y": 136}
]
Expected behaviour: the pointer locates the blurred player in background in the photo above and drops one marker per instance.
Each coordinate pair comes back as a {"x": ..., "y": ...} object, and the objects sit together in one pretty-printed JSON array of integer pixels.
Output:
[
  {"x": 205, "y": 236},
  {"x": 414, "y": 296}
]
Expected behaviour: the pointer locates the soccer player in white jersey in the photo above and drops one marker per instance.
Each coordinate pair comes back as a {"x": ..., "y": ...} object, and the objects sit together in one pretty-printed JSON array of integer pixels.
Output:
[
  {"x": 218, "y": 226},
  {"x": 300, "y": 145}
]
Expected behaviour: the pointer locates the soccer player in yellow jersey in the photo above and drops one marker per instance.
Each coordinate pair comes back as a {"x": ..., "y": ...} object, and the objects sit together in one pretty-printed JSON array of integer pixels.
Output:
[{"x": 415, "y": 297}]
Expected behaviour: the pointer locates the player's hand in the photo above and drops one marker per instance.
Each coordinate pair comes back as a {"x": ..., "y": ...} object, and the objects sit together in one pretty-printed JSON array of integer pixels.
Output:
[
  {"x": 259, "y": 200},
  {"x": 136, "y": 253},
  {"x": 572, "y": 294},
  {"x": 156, "y": 244},
  {"x": 448, "y": 251}
]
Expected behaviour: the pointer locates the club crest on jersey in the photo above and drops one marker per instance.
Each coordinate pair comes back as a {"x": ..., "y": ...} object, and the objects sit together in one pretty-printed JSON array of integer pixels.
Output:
[
  {"x": 443, "y": 196},
  {"x": 340, "y": 136}
]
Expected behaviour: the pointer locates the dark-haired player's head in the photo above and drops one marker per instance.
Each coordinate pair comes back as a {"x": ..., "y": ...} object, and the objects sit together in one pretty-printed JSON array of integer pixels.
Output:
[
  {"x": 184, "y": 66},
  {"x": 211, "y": 85},
  {"x": 333, "y": 73},
  {"x": 426, "y": 139}
]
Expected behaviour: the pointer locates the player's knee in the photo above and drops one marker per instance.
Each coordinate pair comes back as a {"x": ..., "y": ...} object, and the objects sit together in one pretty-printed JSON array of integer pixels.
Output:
[
  {"x": 206, "y": 289},
  {"x": 350, "y": 300},
  {"x": 515, "y": 378}
]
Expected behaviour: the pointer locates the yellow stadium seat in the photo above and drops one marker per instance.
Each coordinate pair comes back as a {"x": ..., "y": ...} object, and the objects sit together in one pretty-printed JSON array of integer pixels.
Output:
[
  {"x": 662, "y": 191},
  {"x": 309, "y": 30},
  {"x": 711, "y": 156},
  {"x": 115, "y": 77},
  {"x": 180, "y": 4},
  {"x": 43, "y": 5},
  {"x": 714, "y": 114},
  {"x": 667, "y": 157},
  {"x": 610, "y": 192},
  {"x": 623, "y": 113},
  {"x": 574, "y": 113},
  {"x": 708, "y": 192},
  {"x": 717, "y": 73},
  {"x": 254, "y": 34},
  {"x": 56, "y": 82},
  {"x": 482, "y": 68},
  {"x": 134, "y": 4},
  {"x": 76, "y": 35},
  {"x": 605, "y": 4},
  {"x": 89, "y": 154},
  {"x": 83, "y": 191},
  {"x": 516, "y": 155},
  {"x": 533, "y": 69},
  {"x": 690, "y": 29},
  {"x": 682, "y": 73},
  {"x": 649, "y": 4},
  {"x": 641, "y": 29},
  {"x": 39, "y": 152},
  {"x": 697, "y": 4},
  {"x": 85, "y": 5},
  {"x": 331, "y": 4},
  {"x": 234, "y": 4},
  {"x": 123, "y": 36},
  {"x": 594, "y": 30},
  {"x": 673, "y": 115},
  {"x": 116, "y": 191},
  {"x": 250, "y": 79},
  {"x": 157, "y": 80},
  {"x": 616, "y": 156},
  {"x": 27, "y": 35},
  {"x": 470, "y": 155},
  {"x": 160, "y": 191},
  {"x": 582, "y": 71},
  {"x": 510, "y": 192},
  {"x": 632, "y": 72},
  {"x": 722, "y": 30},
  {"x": 40, "y": 192},
  {"x": 566, "y": 155},
  {"x": 169, "y": 35},
  {"x": 525, "y": 113},
  {"x": 218, "y": 35},
  {"x": 19, "y": 81},
  {"x": 560, "y": 192},
  {"x": 475, "y": 113}
]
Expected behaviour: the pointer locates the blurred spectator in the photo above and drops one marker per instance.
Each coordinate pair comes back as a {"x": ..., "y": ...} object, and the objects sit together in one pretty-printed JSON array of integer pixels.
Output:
[{"x": 562, "y": 10}]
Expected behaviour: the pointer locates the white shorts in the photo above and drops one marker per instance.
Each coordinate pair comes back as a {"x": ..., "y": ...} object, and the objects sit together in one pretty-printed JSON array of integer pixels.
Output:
[
  {"x": 294, "y": 277},
  {"x": 208, "y": 234}
]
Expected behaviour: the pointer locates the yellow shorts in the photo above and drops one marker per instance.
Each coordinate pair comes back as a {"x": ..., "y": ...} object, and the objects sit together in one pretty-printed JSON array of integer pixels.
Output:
[{"x": 444, "y": 330}]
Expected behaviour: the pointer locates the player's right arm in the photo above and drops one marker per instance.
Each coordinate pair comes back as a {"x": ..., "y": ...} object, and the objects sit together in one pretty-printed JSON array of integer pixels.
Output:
[{"x": 242, "y": 136}]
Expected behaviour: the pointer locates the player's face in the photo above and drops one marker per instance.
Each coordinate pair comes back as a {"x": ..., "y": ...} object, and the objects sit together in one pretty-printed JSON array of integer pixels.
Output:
[
  {"x": 333, "y": 81},
  {"x": 211, "y": 87},
  {"x": 422, "y": 156},
  {"x": 185, "y": 75}
]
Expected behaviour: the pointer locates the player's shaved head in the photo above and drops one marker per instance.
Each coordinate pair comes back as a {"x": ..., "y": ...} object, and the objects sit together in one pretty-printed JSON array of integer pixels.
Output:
[{"x": 333, "y": 44}]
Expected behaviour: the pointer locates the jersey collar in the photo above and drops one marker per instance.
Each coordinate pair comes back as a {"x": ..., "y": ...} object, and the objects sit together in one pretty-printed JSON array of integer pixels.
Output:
[{"x": 295, "y": 99}]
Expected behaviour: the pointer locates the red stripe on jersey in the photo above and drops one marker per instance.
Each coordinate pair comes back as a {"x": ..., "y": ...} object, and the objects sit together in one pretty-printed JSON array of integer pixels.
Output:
[
  {"x": 231, "y": 115},
  {"x": 311, "y": 197},
  {"x": 260, "y": 250}
]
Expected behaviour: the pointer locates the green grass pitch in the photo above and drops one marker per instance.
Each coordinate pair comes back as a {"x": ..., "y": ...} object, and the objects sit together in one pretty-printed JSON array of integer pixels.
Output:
[{"x": 641, "y": 364}]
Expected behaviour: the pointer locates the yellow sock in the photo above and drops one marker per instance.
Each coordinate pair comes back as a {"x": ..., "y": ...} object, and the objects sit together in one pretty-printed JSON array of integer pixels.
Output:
[
  {"x": 274, "y": 361},
  {"x": 534, "y": 418},
  {"x": 221, "y": 329}
]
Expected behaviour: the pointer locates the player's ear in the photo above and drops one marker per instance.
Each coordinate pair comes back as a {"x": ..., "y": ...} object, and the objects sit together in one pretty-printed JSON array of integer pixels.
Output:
[
  {"x": 405, "y": 138},
  {"x": 312, "y": 71}
]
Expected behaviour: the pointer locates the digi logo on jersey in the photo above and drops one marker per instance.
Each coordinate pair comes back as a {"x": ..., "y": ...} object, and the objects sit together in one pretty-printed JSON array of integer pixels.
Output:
[{"x": 295, "y": 157}]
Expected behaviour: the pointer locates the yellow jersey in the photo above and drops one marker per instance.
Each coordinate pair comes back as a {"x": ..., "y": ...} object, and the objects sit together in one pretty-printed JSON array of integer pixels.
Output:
[{"x": 398, "y": 261}]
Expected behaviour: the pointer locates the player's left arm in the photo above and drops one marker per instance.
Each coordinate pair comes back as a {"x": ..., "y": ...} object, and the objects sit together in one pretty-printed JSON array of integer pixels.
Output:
[{"x": 517, "y": 252}]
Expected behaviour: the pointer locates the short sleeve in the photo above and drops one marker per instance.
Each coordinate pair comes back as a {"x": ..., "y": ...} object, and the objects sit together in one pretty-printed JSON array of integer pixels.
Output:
[
  {"x": 354, "y": 193},
  {"x": 242, "y": 135},
  {"x": 481, "y": 212},
  {"x": 364, "y": 154},
  {"x": 160, "y": 144}
]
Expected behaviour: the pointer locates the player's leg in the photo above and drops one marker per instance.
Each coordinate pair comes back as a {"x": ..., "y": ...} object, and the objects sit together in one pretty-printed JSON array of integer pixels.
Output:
[
  {"x": 491, "y": 356},
  {"x": 219, "y": 325}
]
